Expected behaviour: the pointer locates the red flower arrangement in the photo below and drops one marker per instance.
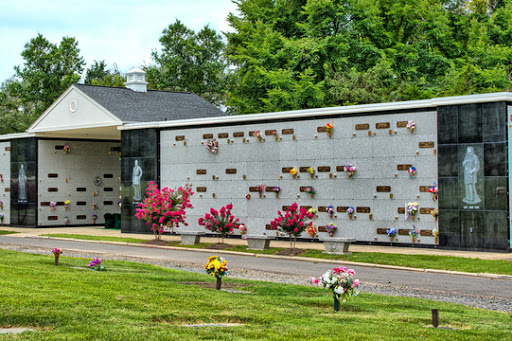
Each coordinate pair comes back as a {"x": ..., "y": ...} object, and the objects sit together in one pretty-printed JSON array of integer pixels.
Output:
[
  {"x": 292, "y": 222},
  {"x": 221, "y": 222}
]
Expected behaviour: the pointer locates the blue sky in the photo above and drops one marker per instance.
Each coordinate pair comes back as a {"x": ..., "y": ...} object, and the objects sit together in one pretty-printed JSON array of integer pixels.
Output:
[{"x": 117, "y": 31}]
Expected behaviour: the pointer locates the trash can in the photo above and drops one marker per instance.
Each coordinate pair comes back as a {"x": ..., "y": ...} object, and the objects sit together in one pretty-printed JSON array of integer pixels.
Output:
[
  {"x": 117, "y": 221},
  {"x": 109, "y": 220}
]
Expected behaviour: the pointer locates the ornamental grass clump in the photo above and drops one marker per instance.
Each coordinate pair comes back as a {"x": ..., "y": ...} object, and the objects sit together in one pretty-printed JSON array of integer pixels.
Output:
[
  {"x": 164, "y": 207},
  {"x": 292, "y": 222},
  {"x": 221, "y": 222},
  {"x": 341, "y": 282}
]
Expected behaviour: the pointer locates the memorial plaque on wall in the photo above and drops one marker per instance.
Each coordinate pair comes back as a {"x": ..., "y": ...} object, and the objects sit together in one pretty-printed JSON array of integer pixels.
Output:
[
  {"x": 251, "y": 133},
  {"x": 7, "y": 189},
  {"x": 403, "y": 167},
  {"x": 322, "y": 229},
  {"x": 59, "y": 147},
  {"x": 201, "y": 171},
  {"x": 268, "y": 227},
  {"x": 180, "y": 137},
  {"x": 383, "y": 188},
  {"x": 253, "y": 189},
  {"x": 322, "y": 209},
  {"x": 7, "y": 149},
  {"x": 81, "y": 203},
  {"x": 381, "y": 231},
  {"x": 81, "y": 217},
  {"x": 238, "y": 134},
  {"x": 200, "y": 189},
  {"x": 403, "y": 232},
  {"x": 53, "y": 217},
  {"x": 287, "y": 131},
  {"x": 53, "y": 175},
  {"x": 401, "y": 124},
  {"x": 45, "y": 203},
  {"x": 401, "y": 210},
  {"x": 270, "y": 189},
  {"x": 231, "y": 171},
  {"x": 306, "y": 207},
  {"x": 322, "y": 129},
  {"x": 342, "y": 209},
  {"x": 207, "y": 136},
  {"x": 303, "y": 169},
  {"x": 108, "y": 176},
  {"x": 426, "y": 233},
  {"x": 382, "y": 125},
  {"x": 424, "y": 188},
  {"x": 285, "y": 208},
  {"x": 362, "y": 209},
  {"x": 108, "y": 203},
  {"x": 429, "y": 144},
  {"x": 324, "y": 169},
  {"x": 340, "y": 168},
  {"x": 223, "y": 135},
  {"x": 286, "y": 169},
  {"x": 364, "y": 126},
  {"x": 426, "y": 210},
  {"x": 270, "y": 132},
  {"x": 53, "y": 189}
]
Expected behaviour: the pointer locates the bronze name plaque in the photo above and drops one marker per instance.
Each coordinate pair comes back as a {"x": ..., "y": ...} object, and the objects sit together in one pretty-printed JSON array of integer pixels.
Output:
[
  {"x": 286, "y": 169},
  {"x": 285, "y": 208},
  {"x": 223, "y": 135},
  {"x": 342, "y": 208},
  {"x": 382, "y": 125},
  {"x": 426, "y": 210},
  {"x": 322, "y": 229},
  {"x": 424, "y": 188},
  {"x": 231, "y": 171},
  {"x": 108, "y": 189},
  {"x": 322, "y": 209},
  {"x": 53, "y": 217},
  {"x": 304, "y": 188},
  {"x": 238, "y": 134},
  {"x": 268, "y": 227},
  {"x": 340, "y": 168},
  {"x": 81, "y": 189},
  {"x": 364, "y": 126},
  {"x": 403, "y": 167},
  {"x": 383, "y": 188},
  {"x": 251, "y": 133},
  {"x": 180, "y": 137},
  {"x": 81, "y": 203},
  {"x": 426, "y": 233},
  {"x": 306, "y": 207},
  {"x": 108, "y": 203},
  {"x": 381, "y": 231},
  {"x": 53, "y": 189},
  {"x": 207, "y": 136},
  {"x": 270, "y": 132},
  {"x": 363, "y": 209},
  {"x": 45, "y": 203},
  {"x": 108, "y": 176},
  {"x": 401, "y": 210},
  {"x": 7, "y": 149},
  {"x": 253, "y": 189},
  {"x": 59, "y": 147},
  {"x": 287, "y": 131},
  {"x": 429, "y": 144},
  {"x": 201, "y": 171},
  {"x": 81, "y": 217},
  {"x": 303, "y": 169},
  {"x": 53, "y": 175},
  {"x": 322, "y": 129},
  {"x": 200, "y": 189},
  {"x": 324, "y": 169},
  {"x": 270, "y": 189},
  {"x": 403, "y": 232},
  {"x": 401, "y": 124},
  {"x": 7, "y": 189}
]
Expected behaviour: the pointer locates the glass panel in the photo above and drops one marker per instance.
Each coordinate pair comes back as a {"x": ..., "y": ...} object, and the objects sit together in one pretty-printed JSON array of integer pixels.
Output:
[
  {"x": 472, "y": 230},
  {"x": 448, "y": 163},
  {"x": 496, "y": 193},
  {"x": 471, "y": 175},
  {"x": 470, "y": 123},
  {"x": 448, "y": 193},
  {"x": 129, "y": 223},
  {"x": 447, "y": 124},
  {"x": 495, "y": 159},
  {"x": 494, "y": 122},
  {"x": 139, "y": 143},
  {"x": 449, "y": 231},
  {"x": 496, "y": 231}
]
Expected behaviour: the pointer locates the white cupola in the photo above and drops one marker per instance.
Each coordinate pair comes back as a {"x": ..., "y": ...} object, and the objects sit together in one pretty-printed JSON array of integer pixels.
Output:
[{"x": 136, "y": 80}]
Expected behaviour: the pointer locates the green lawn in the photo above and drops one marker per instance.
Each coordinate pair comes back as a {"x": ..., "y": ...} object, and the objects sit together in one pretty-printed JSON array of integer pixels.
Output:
[
  {"x": 2, "y": 232},
  {"x": 414, "y": 261},
  {"x": 134, "y": 301}
]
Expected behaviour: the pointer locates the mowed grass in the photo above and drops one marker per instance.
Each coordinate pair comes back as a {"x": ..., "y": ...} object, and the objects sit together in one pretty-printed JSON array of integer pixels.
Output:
[
  {"x": 133, "y": 301},
  {"x": 463, "y": 264},
  {"x": 2, "y": 232},
  {"x": 100, "y": 238}
]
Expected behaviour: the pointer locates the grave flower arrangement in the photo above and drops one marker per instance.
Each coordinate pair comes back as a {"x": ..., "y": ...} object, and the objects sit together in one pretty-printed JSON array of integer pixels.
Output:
[
  {"x": 164, "y": 207},
  {"x": 410, "y": 210},
  {"x": 2, "y": 216},
  {"x": 257, "y": 134},
  {"x": 277, "y": 190},
  {"x": 413, "y": 233},
  {"x": 95, "y": 265},
  {"x": 433, "y": 190},
  {"x": 331, "y": 228},
  {"x": 341, "y": 282},
  {"x": 94, "y": 206},
  {"x": 350, "y": 170},
  {"x": 293, "y": 172},
  {"x": 350, "y": 211},
  {"x": 292, "y": 222},
  {"x": 221, "y": 222},
  {"x": 66, "y": 221},
  {"x": 328, "y": 127},
  {"x": 311, "y": 191},
  {"x": 216, "y": 267},
  {"x": 435, "y": 233},
  {"x": 94, "y": 218},
  {"x": 212, "y": 146},
  {"x": 248, "y": 196},
  {"x": 312, "y": 230},
  {"x": 411, "y": 126},
  {"x": 1, "y": 205},
  {"x": 312, "y": 210},
  {"x": 330, "y": 210},
  {"x": 67, "y": 149},
  {"x": 56, "y": 253},
  {"x": 261, "y": 189},
  {"x": 412, "y": 172},
  {"x": 243, "y": 229},
  {"x": 66, "y": 204},
  {"x": 1, "y": 178},
  {"x": 391, "y": 233},
  {"x": 311, "y": 172},
  {"x": 52, "y": 205},
  {"x": 435, "y": 213}
]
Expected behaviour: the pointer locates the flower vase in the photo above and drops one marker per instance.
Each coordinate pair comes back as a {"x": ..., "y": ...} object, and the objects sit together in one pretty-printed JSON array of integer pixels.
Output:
[
  {"x": 277, "y": 194},
  {"x": 435, "y": 218},
  {"x": 336, "y": 304},
  {"x": 350, "y": 216},
  {"x": 412, "y": 217},
  {"x": 331, "y": 233},
  {"x": 276, "y": 137},
  {"x": 56, "y": 259},
  {"x": 219, "y": 282},
  {"x": 312, "y": 196},
  {"x": 391, "y": 239},
  {"x": 260, "y": 194},
  {"x": 350, "y": 175},
  {"x": 435, "y": 240},
  {"x": 312, "y": 175},
  {"x": 413, "y": 239},
  {"x": 294, "y": 176}
]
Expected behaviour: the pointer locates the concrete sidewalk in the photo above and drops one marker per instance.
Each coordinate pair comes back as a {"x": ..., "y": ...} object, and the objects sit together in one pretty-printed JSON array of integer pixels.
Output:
[{"x": 100, "y": 231}]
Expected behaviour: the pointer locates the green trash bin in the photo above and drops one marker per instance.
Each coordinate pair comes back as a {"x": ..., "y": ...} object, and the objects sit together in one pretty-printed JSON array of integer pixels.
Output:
[
  {"x": 117, "y": 221},
  {"x": 109, "y": 220}
]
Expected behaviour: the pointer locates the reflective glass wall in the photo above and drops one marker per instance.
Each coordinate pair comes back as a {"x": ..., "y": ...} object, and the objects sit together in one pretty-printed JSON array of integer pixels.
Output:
[
  {"x": 473, "y": 182},
  {"x": 139, "y": 165},
  {"x": 24, "y": 182}
]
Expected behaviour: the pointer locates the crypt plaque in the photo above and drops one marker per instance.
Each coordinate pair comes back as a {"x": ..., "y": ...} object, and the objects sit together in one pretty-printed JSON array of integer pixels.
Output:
[
  {"x": 363, "y": 209},
  {"x": 286, "y": 169},
  {"x": 382, "y": 125},
  {"x": 364, "y": 126},
  {"x": 429, "y": 144},
  {"x": 322, "y": 129},
  {"x": 200, "y": 189},
  {"x": 424, "y": 188},
  {"x": 231, "y": 171},
  {"x": 381, "y": 231},
  {"x": 426, "y": 210},
  {"x": 322, "y": 229},
  {"x": 53, "y": 189},
  {"x": 401, "y": 124},
  {"x": 207, "y": 136},
  {"x": 238, "y": 134},
  {"x": 401, "y": 210},
  {"x": 287, "y": 131},
  {"x": 426, "y": 233},
  {"x": 180, "y": 137},
  {"x": 340, "y": 168},
  {"x": 322, "y": 209},
  {"x": 53, "y": 175},
  {"x": 403, "y": 232},
  {"x": 342, "y": 208},
  {"x": 270, "y": 132},
  {"x": 81, "y": 203},
  {"x": 223, "y": 135},
  {"x": 383, "y": 188},
  {"x": 253, "y": 189},
  {"x": 324, "y": 169},
  {"x": 403, "y": 167},
  {"x": 201, "y": 171},
  {"x": 81, "y": 189},
  {"x": 108, "y": 203}
]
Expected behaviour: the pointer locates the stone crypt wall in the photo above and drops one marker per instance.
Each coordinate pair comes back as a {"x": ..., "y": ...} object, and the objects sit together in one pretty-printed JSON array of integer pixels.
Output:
[
  {"x": 5, "y": 181},
  {"x": 378, "y": 145}
]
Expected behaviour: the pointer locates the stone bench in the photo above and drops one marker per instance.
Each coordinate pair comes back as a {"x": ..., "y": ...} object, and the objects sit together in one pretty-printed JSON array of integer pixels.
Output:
[
  {"x": 191, "y": 237},
  {"x": 258, "y": 241},
  {"x": 337, "y": 246}
]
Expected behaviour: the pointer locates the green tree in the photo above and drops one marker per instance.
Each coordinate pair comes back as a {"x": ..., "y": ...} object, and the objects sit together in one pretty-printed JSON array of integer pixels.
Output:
[
  {"x": 190, "y": 61},
  {"x": 98, "y": 74}
]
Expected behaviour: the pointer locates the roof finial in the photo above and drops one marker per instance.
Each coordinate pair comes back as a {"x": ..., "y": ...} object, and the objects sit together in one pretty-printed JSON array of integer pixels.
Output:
[{"x": 136, "y": 80}]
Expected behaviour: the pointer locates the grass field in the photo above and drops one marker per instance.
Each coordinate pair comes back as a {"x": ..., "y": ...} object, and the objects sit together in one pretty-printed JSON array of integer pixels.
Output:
[
  {"x": 133, "y": 301},
  {"x": 414, "y": 261},
  {"x": 2, "y": 232}
]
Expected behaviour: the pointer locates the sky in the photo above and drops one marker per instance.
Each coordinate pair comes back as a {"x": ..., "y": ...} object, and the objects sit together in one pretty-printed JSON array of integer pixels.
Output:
[{"x": 117, "y": 31}]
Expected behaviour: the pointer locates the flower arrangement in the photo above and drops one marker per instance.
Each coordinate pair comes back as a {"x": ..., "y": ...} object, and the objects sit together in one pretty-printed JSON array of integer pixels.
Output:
[
  {"x": 1, "y": 205},
  {"x": 330, "y": 210},
  {"x": 248, "y": 196},
  {"x": 67, "y": 149},
  {"x": 94, "y": 218},
  {"x": 412, "y": 172},
  {"x": 257, "y": 133},
  {"x": 66, "y": 204},
  {"x": 293, "y": 172},
  {"x": 292, "y": 222},
  {"x": 341, "y": 282},
  {"x": 95, "y": 265},
  {"x": 391, "y": 233},
  {"x": 311, "y": 191},
  {"x": 274, "y": 133},
  {"x": 331, "y": 228},
  {"x": 56, "y": 253},
  {"x": 435, "y": 233},
  {"x": 119, "y": 204},
  {"x": 435, "y": 213},
  {"x": 261, "y": 189},
  {"x": 311, "y": 172},
  {"x": 212, "y": 146},
  {"x": 243, "y": 229},
  {"x": 350, "y": 211},
  {"x": 217, "y": 267},
  {"x": 433, "y": 190},
  {"x": 328, "y": 127},
  {"x": 411, "y": 126},
  {"x": 66, "y": 221},
  {"x": 312, "y": 211},
  {"x": 1, "y": 178},
  {"x": 94, "y": 206},
  {"x": 277, "y": 190},
  {"x": 2, "y": 216},
  {"x": 410, "y": 210},
  {"x": 164, "y": 207},
  {"x": 221, "y": 222},
  {"x": 312, "y": 230},
  {"x": 413, "y": 233},
  {"x": 350, "y": 169},
  {"x": 52, "y": 205}
]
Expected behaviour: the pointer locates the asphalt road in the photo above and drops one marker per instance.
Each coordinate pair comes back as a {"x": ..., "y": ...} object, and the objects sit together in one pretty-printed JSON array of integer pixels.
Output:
[{"x": 482, "y": 292}]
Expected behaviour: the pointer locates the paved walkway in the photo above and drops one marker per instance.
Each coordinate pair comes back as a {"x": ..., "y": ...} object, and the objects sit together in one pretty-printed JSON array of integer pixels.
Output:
[{"x": 100, "y": 231}]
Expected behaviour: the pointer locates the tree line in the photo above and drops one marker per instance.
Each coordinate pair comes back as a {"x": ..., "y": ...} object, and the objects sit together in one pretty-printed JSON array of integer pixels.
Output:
[{"x": 297, "y": 54}]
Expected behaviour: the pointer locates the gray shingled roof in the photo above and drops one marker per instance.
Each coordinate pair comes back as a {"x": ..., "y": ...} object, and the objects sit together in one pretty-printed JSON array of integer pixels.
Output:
[{"x": 153, "y": 105}]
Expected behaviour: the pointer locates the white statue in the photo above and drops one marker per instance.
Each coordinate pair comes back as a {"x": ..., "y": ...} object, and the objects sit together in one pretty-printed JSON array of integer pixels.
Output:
[
  {"x": 22, "y": 183},
  {"x": 136, "y": 175},
  {"x": 471, "y": 166}
]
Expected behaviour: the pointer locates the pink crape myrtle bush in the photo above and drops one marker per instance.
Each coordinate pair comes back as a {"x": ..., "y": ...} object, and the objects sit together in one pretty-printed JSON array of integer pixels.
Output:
[
  {"x": 221, "y": 222},
  {"x": 292, "y": 222},
  {"x": 164, "y": 207}
]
